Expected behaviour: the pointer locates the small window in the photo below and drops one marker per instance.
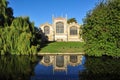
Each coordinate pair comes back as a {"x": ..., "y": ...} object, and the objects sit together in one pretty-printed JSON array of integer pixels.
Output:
[
  {"x": 73, "y": 30},
  {"x": 46, "y": 30}
]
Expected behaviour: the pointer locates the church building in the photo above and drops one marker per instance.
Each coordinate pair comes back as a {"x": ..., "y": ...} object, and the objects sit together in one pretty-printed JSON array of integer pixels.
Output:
[{"x": 60, "y": 30}]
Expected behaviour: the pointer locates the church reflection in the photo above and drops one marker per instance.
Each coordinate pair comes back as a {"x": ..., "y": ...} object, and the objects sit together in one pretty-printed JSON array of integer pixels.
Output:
[{"x": 60, "y": 62}]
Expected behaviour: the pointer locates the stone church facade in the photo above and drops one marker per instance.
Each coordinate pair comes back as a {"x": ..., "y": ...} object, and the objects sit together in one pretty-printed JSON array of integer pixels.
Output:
[{"x": 60, "y": 30}]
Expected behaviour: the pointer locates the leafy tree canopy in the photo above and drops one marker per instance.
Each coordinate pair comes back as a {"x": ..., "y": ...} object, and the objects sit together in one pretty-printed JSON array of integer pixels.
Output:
[
  {"x": 6, "y": 14},
  {"x": 17, "y": 35},
  {"x": 101, "y": 29},
  {"x": 71, "y": 20}
]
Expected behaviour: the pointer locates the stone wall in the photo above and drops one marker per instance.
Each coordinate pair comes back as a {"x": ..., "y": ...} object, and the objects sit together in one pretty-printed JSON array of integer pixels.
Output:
[{"x": 53, "y": 36}]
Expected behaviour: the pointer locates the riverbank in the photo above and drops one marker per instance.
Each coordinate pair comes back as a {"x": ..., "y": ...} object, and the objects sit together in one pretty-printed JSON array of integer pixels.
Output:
[{"x": 82, "y": 53}]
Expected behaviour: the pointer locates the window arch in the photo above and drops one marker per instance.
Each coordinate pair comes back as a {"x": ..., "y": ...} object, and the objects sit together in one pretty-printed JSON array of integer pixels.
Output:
[
  {"x": 73, "y": 30},
  {"x": 59, "y": 27},
  {"x": 46, "y": 30}
]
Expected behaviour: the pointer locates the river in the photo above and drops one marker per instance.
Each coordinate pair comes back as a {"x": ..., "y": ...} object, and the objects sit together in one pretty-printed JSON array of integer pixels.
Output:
[{"x": 59, "y": 67}]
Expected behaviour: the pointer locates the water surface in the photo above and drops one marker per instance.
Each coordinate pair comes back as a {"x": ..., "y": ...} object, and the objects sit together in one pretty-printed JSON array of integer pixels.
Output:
[{"x": 59, "y": 67}]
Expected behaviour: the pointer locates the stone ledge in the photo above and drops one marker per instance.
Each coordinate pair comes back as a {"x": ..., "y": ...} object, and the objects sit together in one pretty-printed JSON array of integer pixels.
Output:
[{"x": 81, "y": 53}]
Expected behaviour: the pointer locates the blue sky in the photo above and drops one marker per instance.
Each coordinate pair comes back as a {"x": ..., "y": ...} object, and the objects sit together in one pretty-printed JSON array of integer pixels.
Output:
[{"x": 41, "y": 11}]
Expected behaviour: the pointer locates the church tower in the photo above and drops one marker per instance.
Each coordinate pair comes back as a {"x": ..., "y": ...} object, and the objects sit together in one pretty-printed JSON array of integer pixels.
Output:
[{"x": 60, "y": 29}]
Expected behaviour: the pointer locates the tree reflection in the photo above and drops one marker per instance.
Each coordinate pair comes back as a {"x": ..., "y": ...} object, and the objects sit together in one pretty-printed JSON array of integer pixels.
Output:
[
  {"x": 104, "y": 68},
  {"x": 17, "y": 67}
]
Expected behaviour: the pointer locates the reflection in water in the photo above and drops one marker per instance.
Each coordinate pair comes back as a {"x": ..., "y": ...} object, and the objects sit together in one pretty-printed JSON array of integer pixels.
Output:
[
  {"x": 103, "y": 68},
  {"x": 73, "y": 58},
  {"x": 71, "y": 68},
  {"x": 17, "y": 67},
  {"x": 46, "y": 59},
  {"x": 60, "y": 61},
  {"x": 60, "y": 67}
]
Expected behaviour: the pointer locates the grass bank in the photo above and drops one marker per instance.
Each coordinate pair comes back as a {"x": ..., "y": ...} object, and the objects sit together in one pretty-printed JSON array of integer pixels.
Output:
[{"x": 63, "y": 47}]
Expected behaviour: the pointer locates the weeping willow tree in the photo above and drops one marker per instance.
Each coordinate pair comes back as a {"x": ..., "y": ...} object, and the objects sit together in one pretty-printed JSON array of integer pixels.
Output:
[
  {"x": 17, "y": 35},
  {"x": 18, "y": 38},
  {"x": 101, "y": 29}
]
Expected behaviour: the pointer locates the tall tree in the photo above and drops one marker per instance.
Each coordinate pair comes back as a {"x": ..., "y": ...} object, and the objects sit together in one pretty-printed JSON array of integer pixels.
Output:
[
  {"x": 6, "y": 13},
  {"x": 17, "y": 35},
  {"x": 101, "y": 30},
  {"x": 18, "y": 38}
]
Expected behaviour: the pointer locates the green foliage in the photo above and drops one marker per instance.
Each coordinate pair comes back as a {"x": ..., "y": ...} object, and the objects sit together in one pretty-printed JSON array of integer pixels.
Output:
[
  {"x": 17, "y": 67},
  {"x": 17, "y": 35},
  {"x": 18, "y": 38},
  {"x": 71, "y": 20},
  {"x": 101, "y": 29},
  {"x": 6, "y": 14},
  {"x": 102, "y": 68},
  {"x": 23, "y": 24}
]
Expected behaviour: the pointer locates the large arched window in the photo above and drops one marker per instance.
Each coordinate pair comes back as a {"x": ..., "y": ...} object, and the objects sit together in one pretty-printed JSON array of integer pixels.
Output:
[
  {"x": 73, "y": 30},
  {"x": 59, "y": 27},
  {"x": 46, "y": 30}
]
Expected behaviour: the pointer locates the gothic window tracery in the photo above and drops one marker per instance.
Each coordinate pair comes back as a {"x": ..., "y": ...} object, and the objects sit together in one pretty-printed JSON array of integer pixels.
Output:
[
  {"x": 46, "y": 30},
  {"x": 59, "y": 27},
  {"x": 73, "y": 30}
]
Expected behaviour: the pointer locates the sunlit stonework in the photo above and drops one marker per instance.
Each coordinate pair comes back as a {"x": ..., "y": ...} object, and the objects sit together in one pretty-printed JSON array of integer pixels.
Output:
[{"x": 60, "y": 30}]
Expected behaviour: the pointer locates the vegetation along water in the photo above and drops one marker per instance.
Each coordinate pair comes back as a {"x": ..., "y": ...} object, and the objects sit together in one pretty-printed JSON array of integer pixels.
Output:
[
  {"x": 100, "y": 31},
  {"x": 29, "y": 68}
]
